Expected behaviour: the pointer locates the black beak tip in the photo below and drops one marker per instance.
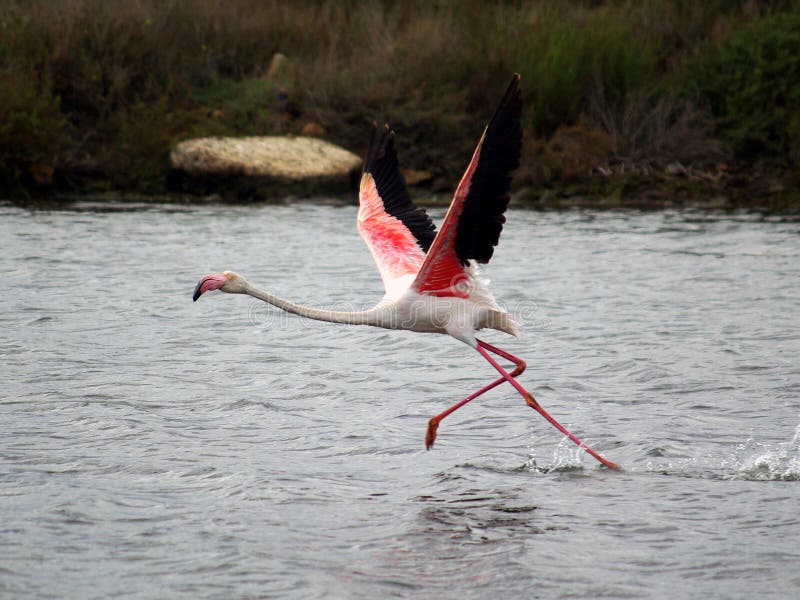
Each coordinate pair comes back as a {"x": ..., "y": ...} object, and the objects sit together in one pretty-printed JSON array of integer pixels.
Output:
[{"x": 197, "y": 292}]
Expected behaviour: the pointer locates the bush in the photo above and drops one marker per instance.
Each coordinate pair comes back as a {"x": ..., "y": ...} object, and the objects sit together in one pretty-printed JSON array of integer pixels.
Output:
[
  {"x": 657, "y": 127},
  {"x": 32, "y": 128},
  {"x": 751, "y": 83},
  {"x": 107, "y": 87},
  {"x": 569, "y": 61}
]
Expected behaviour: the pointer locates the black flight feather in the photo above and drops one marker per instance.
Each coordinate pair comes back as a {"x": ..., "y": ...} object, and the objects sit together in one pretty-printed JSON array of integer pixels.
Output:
[
  {"x": 381, "y": 162},
  {"x": 481, "y": 219}
]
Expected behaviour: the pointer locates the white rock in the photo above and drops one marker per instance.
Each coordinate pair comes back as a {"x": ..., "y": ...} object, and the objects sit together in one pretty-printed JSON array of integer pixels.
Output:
[{"x": 291, "y": 158}]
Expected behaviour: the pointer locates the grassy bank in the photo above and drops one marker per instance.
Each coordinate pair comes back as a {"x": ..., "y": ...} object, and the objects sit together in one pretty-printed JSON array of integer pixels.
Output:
[{"x": 93, "y": 94}]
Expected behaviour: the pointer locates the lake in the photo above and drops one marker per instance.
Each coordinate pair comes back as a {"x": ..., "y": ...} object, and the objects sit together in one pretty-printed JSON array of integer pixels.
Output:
[{"x": 155, "y": 447}]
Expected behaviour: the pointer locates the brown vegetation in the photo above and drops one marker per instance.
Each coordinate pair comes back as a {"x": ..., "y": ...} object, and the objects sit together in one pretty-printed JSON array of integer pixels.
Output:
[{"x": 98, "y": 92}]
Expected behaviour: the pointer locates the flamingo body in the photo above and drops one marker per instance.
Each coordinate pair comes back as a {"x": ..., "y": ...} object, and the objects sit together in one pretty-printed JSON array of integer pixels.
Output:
[
  {"x": 431, "y": 281},
  {"x": 451, "y": 315}
]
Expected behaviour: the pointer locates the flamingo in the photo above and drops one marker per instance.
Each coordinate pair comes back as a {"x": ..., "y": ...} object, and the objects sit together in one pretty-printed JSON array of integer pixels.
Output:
[{"x": 432, "y": 284}]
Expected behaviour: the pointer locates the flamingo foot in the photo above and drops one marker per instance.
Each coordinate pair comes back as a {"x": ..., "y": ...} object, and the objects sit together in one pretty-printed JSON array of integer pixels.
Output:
[
  {"x": 430, "y": 434},
  {"x": 531, "y": 401}
]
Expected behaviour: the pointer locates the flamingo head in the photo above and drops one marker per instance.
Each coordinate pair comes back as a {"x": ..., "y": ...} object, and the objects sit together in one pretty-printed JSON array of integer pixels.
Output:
[{"x": 227, "y": 281}]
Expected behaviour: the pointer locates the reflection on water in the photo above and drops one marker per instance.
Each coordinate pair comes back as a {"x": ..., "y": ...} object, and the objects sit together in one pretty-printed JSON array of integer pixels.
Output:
[{"x": 222, "y": 449}]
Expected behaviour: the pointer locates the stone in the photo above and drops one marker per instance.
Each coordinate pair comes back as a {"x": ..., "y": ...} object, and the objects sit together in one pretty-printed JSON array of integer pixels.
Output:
[
  {"x": 282, "y": 157},
  {"x": 278, "y": 65},
  {"x": 313, "y": 130},
  {"x": 413, "y": 177},
  {"x": 675, "y": 169},
  {"x": 262, "y": 168}
]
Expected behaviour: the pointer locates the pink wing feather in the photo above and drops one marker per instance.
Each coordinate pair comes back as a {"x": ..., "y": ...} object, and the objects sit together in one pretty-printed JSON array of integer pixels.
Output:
[
  {"x": 472, "y": 225},
  {"x": 396, "y": 232},
  {"x": 442, "y": 274},
  {"x": 393, "y": 246}
]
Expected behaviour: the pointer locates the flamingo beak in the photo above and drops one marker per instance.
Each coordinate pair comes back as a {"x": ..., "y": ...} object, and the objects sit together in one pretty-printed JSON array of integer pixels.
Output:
[
  {"x": 208, "y": 283},
  {"x": 198, "y": 291}
]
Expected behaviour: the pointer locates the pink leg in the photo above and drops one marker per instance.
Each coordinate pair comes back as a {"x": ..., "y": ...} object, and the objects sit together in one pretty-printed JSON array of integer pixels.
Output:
[
  {"x": 529, "y": 400},
  {"x": 433, "y": 423},
  {"x": 504, "y": 353}
]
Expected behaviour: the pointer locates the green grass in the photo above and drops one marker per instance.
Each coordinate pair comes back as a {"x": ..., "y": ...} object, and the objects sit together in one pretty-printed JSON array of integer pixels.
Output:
[{"x": 572, "y": 60}]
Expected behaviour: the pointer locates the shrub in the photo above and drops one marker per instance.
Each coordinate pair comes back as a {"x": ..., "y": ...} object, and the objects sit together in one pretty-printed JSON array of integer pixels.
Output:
[
  {"x": 32, "y": 128},
  {"x": 751, "y": 83},
  {"x": 568, "y": 61},
  {"x": 657, "y": 127},
  {"x": 114, "y": 84}
]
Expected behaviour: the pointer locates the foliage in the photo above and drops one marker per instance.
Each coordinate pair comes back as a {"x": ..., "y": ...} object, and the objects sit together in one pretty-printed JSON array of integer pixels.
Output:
[
  {"x": 32, "y": 127},
  {"x": 116, "y": 84},
  {"x": 571, "y": 60},
  {"x": 752, "y": 85}
]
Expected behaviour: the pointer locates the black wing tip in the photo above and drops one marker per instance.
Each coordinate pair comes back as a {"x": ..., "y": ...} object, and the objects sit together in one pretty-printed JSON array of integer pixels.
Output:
[
  {"x": 512, "y": 100},
  {"x": 369, "y": 155},
  {"x": 513, "y": 87},
  {"x": 378, "y": 147},
  {"x": 382, "y": 164},
  {"x": 481, "y": 221}
]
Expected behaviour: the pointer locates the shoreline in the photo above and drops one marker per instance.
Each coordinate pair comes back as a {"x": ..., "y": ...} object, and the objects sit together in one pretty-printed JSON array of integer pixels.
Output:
[{"x": 633, "y": 192}]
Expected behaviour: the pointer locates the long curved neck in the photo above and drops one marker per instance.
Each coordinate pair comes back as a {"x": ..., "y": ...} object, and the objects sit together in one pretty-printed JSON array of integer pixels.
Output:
[{"x": 358, "y": 317}]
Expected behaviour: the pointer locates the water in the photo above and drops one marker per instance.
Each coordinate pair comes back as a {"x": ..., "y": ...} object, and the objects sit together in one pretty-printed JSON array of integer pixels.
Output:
[{"x": 155, "y": 447}]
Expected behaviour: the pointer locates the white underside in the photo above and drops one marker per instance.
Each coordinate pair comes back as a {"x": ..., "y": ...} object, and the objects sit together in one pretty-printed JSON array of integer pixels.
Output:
[{"x": 403, "y": 308}]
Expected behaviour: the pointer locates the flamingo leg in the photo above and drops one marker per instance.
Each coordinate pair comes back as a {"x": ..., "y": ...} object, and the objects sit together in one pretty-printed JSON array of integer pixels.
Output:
[
  {"x": 530, "y": 401},
  {"x": 433, "y": 423}
]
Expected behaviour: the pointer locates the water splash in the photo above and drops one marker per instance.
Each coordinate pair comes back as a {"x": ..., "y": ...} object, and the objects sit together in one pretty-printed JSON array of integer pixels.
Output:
[
  {"x": 566, "y": 458},
  {"x": 755, "y": 461}
]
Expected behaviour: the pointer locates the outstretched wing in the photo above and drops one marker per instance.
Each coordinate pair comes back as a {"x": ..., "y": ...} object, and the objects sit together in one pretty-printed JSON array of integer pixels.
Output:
[
  {"x": 472, "y": 225},
  {"x": 397, "y": 233}
]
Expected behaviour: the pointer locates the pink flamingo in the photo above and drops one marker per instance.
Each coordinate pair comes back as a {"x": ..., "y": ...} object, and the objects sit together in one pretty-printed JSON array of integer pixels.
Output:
[{"x": 431, "y": 284}]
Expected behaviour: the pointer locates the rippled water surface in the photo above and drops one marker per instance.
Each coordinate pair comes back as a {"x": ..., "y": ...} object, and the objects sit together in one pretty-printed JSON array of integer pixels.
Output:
[{"x": 155, "y": 447}]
